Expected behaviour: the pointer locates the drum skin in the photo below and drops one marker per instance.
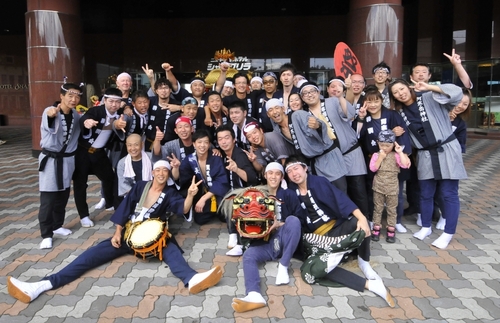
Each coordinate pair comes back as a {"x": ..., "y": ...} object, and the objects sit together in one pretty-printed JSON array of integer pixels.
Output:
[{"x": 148, "y": 238}]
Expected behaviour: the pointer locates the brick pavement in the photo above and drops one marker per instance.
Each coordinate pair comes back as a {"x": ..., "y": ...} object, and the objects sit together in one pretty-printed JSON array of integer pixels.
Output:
[{"x": 460, "y": 284}]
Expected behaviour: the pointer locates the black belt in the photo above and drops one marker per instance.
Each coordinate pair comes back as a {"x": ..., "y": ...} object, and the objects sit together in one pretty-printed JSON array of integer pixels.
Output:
[
  {"x": 434, "y": 150},
  {"x": 356, "y": 145},
  {"x": 58, "y": 163},
  {"x": 91, "y": 150}
]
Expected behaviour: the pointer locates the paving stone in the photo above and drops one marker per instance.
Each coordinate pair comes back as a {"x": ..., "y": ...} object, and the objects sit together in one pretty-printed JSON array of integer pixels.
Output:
[
  {"x": 428, "y": 310},
  {"x": 395, "y": 271},
  {"x": 455, "y": 313},
  {"x": 97, "y": 306},
  {"x": 162, "y": 306},
  {"x": 450, "y": 271}
]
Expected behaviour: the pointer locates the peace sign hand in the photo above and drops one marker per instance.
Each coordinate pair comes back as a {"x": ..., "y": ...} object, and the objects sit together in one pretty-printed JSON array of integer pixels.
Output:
[
  {"x": 149, "y": 72},
  {"x": 174, "y": 162},
  {"x": 193, "y": 189},
  {"x": 454, "y": 58},
  {"x": 251, "y": 155}
]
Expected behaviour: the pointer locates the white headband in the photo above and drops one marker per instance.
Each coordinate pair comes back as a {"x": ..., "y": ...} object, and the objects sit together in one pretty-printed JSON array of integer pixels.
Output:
[
  {"x": 197, "y": 80},
  {"x": 71, "y": 91},
  {"x": 293, "y": 164},
  {"x": 339, "y": 80},
  {"x": 274, "y": 166},
  {"x": 162, "y": 163},
  {"x": 112, "y": 96}
]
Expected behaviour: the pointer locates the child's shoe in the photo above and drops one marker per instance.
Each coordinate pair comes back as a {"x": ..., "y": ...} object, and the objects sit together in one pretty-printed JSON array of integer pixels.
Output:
[
  {"x": 391, "y": 235},
  {"x": 376, "y": 233}
]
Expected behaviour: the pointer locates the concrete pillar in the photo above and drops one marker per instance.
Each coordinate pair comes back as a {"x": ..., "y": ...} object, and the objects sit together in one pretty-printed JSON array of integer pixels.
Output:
[
  {"x": 375, "y": 34},
  {"x": 54, "y": 46}
]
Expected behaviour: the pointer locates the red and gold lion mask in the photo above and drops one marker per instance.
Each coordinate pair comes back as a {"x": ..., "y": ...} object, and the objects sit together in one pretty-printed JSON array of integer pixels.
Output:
[{"x": 253, "y": 213}]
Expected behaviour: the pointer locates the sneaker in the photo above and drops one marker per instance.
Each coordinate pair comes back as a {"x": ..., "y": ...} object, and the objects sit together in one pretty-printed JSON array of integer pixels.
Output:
[
  {"x": 62, "y": 231},
  {"x": 376, "y": 233},
  {"x": 86, "y": 222},
  {"x": 101, "y": 204},
  {"x": 390, "y": 235}
]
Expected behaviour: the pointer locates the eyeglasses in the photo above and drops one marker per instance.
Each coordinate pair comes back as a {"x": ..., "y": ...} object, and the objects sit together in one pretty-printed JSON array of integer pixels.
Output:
[
  {"x": 311, "y": 92},
  {"x": 268, "y": 82}
]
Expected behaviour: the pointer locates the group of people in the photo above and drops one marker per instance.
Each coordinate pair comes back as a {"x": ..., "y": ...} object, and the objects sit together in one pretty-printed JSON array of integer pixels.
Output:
[{"x": 332, "y": 165}]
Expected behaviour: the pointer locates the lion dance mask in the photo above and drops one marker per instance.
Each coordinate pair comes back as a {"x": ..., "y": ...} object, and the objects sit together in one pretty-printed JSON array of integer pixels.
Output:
[{"x": 253, "y": 212}]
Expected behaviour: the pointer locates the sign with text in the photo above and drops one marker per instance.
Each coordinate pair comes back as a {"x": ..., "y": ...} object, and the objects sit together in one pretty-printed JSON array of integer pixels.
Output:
[{"x": 345, "y": 62}]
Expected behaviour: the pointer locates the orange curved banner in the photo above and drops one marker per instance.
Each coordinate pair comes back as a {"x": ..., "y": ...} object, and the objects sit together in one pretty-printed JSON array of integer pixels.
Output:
[{"x": 345, "y": 62}]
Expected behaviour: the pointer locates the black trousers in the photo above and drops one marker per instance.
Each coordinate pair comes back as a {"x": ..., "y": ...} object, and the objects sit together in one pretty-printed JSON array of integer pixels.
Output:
[
  {"x": 52, "y": 211},
  {"x": 356, "y": 190},
  {"x": 98, "y": 164}
]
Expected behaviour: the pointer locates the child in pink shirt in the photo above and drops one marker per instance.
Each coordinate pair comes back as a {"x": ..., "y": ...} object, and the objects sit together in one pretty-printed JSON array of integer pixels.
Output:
[{"x": 386, "y": 165}]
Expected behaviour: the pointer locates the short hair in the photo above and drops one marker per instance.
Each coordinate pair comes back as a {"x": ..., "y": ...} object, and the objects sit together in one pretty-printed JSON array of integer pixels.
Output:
[
  {"x": 69, "y": 86},
  {"x": 381, "y": 65},
  {"x": 288, "y": 67},
  {"x": 225, "y": 127},
  {"x": 237, "y": 104},
  {"x": 201, "y": 133},
  {"x": 295, "y": 159},
  {"x": 238, "y": 75},
  {"x": 420, "y": 64},
  {"x": 210, "y": 93},
  {"x": 163, "y": 81},
  {"x": 113, "y": 91},
  {"x": 139, "y": 94},
  {"x": 373, "y": 93}
]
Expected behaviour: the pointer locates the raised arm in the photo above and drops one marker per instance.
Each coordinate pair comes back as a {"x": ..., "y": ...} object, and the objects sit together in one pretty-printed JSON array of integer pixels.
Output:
[{"x": 457, "y": 65}]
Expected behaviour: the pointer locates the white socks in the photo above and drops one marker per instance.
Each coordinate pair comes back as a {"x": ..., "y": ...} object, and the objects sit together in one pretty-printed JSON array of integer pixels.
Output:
[
  {"x": 443, "y": 241},
  {"x": 419, "y": 219},
  {"x": 101, "y": 204},
  {"x": 86, "y": 222},
  {"x": 367, "y": 269},
  {"x": 441, "y": 223},
  {"x": 27, "y": 292},
  {"x": 46, "y": 243},
  {"x": 282, "y": 277},
  {"x": 423, "y": 233},
  {"x": 400, "y": 228},
  {"x": 252, "y": 301},
  {"x": 62, "y": 231},
  {"x": 377, "y": 286},
  {"x": 254, "y": 297},
  {"x": 233, "y": 240},
  {"x": 236, "y": 251}
]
